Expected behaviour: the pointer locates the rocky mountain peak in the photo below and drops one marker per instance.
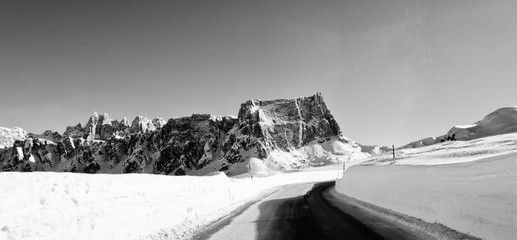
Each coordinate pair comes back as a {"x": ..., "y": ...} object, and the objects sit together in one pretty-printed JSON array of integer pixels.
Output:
[
  {"x": 102, "y": 127},
  {"x": 302, "y": 131},
  {"x": 158, "y": 122},
  {"x": 142, "y": 124},
  {"x": 289, "y": 122},
  {"x": 124, "y": 122}
]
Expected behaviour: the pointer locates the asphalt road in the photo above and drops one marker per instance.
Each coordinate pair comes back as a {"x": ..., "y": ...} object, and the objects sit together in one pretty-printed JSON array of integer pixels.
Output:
[{"x": 302, "y": 212}]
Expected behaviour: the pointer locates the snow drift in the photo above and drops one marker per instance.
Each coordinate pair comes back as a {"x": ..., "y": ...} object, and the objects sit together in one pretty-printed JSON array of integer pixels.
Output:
[
  {"x": 46, "y": 205},
  {"x": 468, "y": 186}
]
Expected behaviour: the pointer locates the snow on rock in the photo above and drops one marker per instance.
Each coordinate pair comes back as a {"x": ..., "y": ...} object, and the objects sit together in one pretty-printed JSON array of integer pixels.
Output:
[
  {"x": 501, "y": 121},
  {"x": 142, "y": 124},
  {"x": 132, "y": 206},
  {"x": 9, "y": 135},
  {"x": 158, "y": 122},
  {"x": 102, "y": 127},
  {"x": 48, "y": 135},
  {"x": 288, "y": 133},
  {"x": 284, "y": 133},
  {"x": 76, "y": 131},
  {"x": 469, "y": 186},
  {"x": 374, "y": 149}
]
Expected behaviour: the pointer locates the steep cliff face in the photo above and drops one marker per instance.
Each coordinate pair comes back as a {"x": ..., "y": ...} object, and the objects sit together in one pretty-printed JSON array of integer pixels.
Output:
[
  {"x": 283, "y": 133},
  {"x": 288, "y": 123}
]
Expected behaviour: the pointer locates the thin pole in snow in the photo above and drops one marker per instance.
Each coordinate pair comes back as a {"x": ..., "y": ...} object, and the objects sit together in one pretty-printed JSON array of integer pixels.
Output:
[
  {"x": 268, "y": 172},
  {"x": 337, "y": 170},
  {"x": 393, "y": 148},
  {"x": 249, "y": 166}
]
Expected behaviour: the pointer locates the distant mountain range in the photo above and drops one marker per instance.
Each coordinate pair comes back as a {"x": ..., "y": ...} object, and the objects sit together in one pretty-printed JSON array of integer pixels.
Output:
[{"x": 282, "y": 134}]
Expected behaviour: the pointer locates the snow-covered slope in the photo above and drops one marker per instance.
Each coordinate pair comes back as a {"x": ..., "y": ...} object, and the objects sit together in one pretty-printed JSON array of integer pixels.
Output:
[
  {"x": 501, "y": 121},
  {"x": 46, "y": 205},
  {"x": 470, "y": 186},
  {"x": 283, "y": 133}
]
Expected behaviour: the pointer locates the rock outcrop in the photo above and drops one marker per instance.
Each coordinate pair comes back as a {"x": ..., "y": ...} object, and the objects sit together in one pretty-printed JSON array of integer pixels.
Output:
[
  {"x": 302, "y": 130},
  {"x": 47, "y": 135}
]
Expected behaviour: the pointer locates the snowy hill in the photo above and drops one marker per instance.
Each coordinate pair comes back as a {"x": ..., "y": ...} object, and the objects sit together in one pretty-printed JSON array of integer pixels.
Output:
[
  {"x": 282, "y": 134},
  {"x": 469, "y": 186},
  {"x": 501, "y": 121}
]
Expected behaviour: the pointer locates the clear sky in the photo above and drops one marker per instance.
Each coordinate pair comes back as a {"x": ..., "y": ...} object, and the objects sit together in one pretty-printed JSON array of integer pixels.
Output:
[{"x": 391, "y": 71}]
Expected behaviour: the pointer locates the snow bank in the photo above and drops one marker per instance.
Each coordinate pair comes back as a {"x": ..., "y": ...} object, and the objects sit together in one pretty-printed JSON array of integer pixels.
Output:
[
  {"x": 44, "y": 205},
  {"x": 477, "y": 196}
]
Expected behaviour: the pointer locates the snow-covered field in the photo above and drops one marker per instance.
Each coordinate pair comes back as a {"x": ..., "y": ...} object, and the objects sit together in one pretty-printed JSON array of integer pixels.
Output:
[
  {"x": 44, "y": 205},
  {"x": 468, "y": 186}
]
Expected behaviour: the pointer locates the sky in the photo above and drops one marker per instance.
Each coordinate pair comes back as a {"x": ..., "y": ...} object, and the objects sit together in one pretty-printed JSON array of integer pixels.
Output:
[{"x": 390, "y": 71}]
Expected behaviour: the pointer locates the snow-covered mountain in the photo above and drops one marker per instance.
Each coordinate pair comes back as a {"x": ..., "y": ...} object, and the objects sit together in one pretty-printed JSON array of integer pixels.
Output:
[
  {"x": 501, "y": 121},
  {"x": 102, "y": 127},
  {"x": 9, "y": 135},
  {"x": 271, "y": 134}
]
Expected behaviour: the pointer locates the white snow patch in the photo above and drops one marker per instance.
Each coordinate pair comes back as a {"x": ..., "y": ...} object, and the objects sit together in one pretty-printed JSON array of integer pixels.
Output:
[
  {"x": 449, "y": 152},
  {"x": 469, "y": 186},
  {"x": 45, "y": 205},
  {"x": 9, "y": 135},
  {"x": 316, "y": 154}
]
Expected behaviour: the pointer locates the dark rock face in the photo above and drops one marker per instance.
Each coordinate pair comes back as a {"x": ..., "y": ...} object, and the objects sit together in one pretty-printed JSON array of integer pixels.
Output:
[
  {"x": 280, "y": 124},
  {"x": 179, "y": 146},
  {"x": 48, "y": 135}
]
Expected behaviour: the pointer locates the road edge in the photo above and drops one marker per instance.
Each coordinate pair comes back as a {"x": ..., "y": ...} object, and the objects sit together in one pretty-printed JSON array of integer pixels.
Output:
[
  {"x": 416, "y": 225},
  {"x": 217, "y": 224}
]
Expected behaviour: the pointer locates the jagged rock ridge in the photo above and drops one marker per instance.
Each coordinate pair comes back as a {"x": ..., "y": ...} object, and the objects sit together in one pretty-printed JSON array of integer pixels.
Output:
[
  {"x": 102, "y": 127},
  {"x": 187, "y": 145}
]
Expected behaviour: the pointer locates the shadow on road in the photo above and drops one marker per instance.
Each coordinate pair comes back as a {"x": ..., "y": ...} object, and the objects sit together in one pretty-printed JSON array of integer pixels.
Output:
[
  {"x": 304, "y": 216},
  {"x": 291, "y": 219},
  {"x": 309, "y": 216}
]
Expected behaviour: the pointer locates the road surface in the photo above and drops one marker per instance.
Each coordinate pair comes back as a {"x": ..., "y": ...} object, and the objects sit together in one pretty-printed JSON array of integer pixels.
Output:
[{"x": 302, "y": 212}]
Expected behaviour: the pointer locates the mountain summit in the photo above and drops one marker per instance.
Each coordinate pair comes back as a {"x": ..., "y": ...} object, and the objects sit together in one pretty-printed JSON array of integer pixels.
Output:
[{"x": 276, "y": 134}]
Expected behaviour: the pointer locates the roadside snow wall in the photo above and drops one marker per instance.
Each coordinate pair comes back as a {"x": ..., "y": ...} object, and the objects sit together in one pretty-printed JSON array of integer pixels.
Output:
[
  {"x": 478, "y": 198},
  {"x": 47, "y": 205}
]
